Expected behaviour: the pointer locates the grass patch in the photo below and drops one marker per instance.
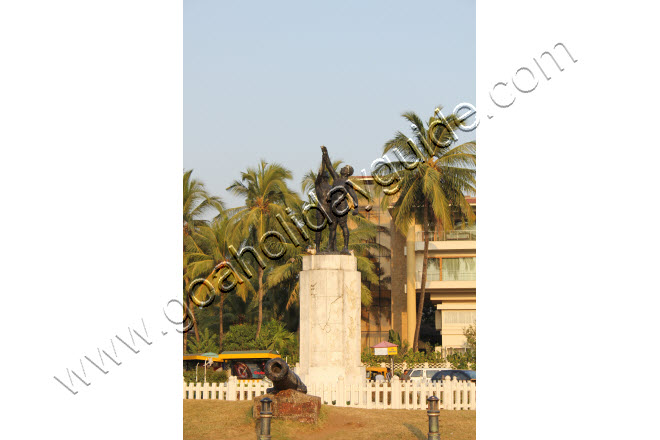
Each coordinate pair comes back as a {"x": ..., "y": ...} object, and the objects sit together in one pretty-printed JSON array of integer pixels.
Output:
[{"x": 213, "y": 420}]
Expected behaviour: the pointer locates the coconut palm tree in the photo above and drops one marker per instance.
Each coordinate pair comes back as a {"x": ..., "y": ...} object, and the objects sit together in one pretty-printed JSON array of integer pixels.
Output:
[
  {"x": 206, "y": 344},
  {"x": 281, "y": 338},
  {"x": 434, "y": 182},
  {"x": 197, "y": 202},
  {"x": 266, "y": 195},
  {"x": 277, "y": 301},
  {"x": 241, "y": 310},
  {"x": 206, "y": 249}
]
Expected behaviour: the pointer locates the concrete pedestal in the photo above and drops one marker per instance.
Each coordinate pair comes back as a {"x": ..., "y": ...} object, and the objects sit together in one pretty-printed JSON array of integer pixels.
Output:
[{"x": 330, "y": 291}]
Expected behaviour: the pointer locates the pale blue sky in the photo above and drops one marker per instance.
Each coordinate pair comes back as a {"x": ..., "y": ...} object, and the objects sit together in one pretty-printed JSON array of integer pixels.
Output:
[{"x": 276, "y": 80}]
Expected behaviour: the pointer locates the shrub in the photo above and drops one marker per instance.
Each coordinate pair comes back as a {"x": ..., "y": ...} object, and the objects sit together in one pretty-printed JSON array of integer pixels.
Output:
[
  {"x": 240, "y": 337},
  {"x": 207, "y": 343},
  {"x": 404, "y": 355},
  {"x": 370, "y": 359},
  {"x": 468, "y": 359},
  {"x": 394, "y": 338},
  {"x": 462, "y": 361},
  {"x": 218, "y": 376},
  {"x": 273, "y": 336}
]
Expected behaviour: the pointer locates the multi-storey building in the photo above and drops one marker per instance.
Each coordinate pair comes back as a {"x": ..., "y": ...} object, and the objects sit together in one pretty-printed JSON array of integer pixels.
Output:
[{"x": 450, "y": 284}]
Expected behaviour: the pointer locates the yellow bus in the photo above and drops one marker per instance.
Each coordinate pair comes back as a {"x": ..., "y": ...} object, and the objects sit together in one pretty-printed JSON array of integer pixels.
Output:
[{"x": 244, "y": 365}]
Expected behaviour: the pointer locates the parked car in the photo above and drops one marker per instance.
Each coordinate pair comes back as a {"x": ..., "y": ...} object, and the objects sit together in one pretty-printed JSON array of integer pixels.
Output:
[
  {"x": 417, "y": 374},
  {"x": 459, "y": 374}
]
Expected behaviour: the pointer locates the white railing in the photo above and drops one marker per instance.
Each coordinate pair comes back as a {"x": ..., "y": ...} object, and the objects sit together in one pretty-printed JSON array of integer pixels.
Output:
[
  {"x": 449, "y": 275},
  {"x": 396, "y": 394},
  {"x": 453, "y": 235},
  {"x": 403, "y": 366}
]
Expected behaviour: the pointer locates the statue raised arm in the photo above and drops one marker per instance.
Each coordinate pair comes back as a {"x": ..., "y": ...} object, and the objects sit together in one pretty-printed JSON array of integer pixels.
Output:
[
  {"x": 339, "y": 199},
  {"x": 325, "y": 161}
]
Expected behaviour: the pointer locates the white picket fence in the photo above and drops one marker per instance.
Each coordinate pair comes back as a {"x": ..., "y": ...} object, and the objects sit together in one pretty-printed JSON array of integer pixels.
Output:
[
  {"x": 402, "y": 366},
  {"x": 397, "y": 394}
]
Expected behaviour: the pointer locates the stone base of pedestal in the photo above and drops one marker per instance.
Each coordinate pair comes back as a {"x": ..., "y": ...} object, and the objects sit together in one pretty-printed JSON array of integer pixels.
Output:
[
  {"x": 291, "y": 405},
  {"x": 330, "y": 293}
]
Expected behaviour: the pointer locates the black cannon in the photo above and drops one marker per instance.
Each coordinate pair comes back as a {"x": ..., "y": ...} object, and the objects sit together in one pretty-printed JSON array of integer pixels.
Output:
[{"x": 283, "y": 378}]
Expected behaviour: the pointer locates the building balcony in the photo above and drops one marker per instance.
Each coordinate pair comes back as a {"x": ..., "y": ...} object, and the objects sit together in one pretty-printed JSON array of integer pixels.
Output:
[
  {"x": 448, "y": 280},
  {"x": 460, "y": 239}
]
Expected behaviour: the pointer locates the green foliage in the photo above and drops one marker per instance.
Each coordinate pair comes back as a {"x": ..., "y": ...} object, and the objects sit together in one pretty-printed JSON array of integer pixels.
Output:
[
  {"x": 370, "y": 359},
  {"x": 266, "y": 195},
  {"x": 278, "y": 338},
  {"x": 197, "y": 202},
  {"x": 394, "y": 338},
  {"x": 239, "y": 310},
  {"x": 462, "y": 361},
  {"x": 405, "y": 354},
  {"x": 412, "y": 357},
  {"x": 429, "y": 337},
  {"x": 207, "y": 343},
  {"x": 240, "y": 337},
  {"x": 273, "y": 336},
  {"x": 471, "y": 336},
  {"x": 468, "y": 359},
  {"x": 218, "y": 376}
]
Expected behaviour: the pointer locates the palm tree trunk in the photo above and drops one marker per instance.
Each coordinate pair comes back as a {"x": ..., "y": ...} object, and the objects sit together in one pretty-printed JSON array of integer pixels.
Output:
[
  {"x": 260, "y": 272},
  {"x": 185, "y": 334},
  {"x": 219, "y": 292},
  {"x": 191, "y": 309},
  {"x": 422, "y": 293},
  {"x": 186, "y": 279},
  {"x": 220, "y": 333}
]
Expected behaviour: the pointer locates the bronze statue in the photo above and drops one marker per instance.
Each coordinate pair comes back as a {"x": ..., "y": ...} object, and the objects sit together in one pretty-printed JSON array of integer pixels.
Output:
[
  {"x": 278, "y": 371},
  {"x": 335, "y": 200}
]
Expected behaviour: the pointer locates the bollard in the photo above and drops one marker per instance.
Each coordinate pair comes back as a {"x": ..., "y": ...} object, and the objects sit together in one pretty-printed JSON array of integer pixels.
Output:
[
  {"x": 266, "y": 415},
  {"x": 434, "y": 413}
]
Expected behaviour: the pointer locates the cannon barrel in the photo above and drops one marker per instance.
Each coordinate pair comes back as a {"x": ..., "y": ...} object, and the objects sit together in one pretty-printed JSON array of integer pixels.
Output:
[{"x": 283, "y": 378}]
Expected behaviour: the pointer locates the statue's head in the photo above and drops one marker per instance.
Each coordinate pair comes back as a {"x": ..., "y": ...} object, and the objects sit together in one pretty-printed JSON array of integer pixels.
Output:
[
  {"x": 325, "y": 175},
  {"x": 346, "y": 171}
]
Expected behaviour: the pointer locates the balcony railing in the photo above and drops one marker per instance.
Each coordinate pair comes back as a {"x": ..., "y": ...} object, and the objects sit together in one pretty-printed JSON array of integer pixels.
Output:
[
  {"x": 447, "y": 276},
  {"x": 455, "y": 235}
]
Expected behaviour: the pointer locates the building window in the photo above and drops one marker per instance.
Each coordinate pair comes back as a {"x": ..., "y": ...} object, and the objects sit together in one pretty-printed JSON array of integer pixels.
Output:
[
  {"x": 466, "y": 317},
  {"x": 453, "y": 350},
  {"x": 433, "y": 270},
  {"x": 448, "y": 269},
  {"x": 459, "y": 269}
]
